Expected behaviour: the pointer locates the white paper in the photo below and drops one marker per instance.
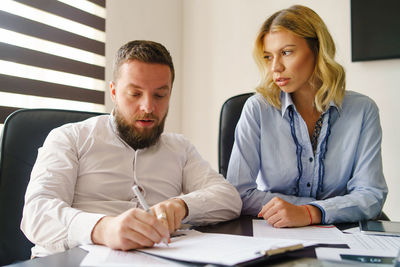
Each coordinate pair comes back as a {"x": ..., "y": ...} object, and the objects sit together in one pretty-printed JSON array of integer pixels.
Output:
[
  {"x": 223, "y": 249},
  {"x": 373, "y": 242},
  {"x": 104, "y": 257},
  {"x": 335, "y": 254},
  {"x": 323, "y": 234}
]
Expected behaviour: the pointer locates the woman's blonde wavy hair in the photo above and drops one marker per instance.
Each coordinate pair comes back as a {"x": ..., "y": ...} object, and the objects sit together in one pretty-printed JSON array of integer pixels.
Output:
[{"x": 328, "y": 76}]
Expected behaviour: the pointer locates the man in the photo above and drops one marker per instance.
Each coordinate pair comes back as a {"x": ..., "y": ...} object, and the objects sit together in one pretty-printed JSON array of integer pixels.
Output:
[{"x": 80, "y": 190}]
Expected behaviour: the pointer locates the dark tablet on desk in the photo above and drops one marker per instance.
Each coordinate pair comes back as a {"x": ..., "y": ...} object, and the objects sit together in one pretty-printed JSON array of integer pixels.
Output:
[{"x": 380, "y": 228}]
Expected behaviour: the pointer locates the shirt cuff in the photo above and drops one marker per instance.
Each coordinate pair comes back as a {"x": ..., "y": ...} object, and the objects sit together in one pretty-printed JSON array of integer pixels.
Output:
[
  {"x": 192, "y": 206},
  {"x": 81, "y": 227},
  {"x": 322, "y": 212}
]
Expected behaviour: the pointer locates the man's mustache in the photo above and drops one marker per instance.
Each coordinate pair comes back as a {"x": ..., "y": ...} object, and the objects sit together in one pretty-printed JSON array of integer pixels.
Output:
[{"x": 146, "y": 117}]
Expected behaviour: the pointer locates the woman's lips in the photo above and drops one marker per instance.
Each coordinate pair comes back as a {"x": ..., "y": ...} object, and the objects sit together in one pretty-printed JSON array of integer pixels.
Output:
[{"x": 282, "y": 81}]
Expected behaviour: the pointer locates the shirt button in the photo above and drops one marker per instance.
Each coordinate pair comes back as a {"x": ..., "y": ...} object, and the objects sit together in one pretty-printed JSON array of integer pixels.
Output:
[
  {"x": 308, "y": 184},
  {"x": 310, "y": 159}
]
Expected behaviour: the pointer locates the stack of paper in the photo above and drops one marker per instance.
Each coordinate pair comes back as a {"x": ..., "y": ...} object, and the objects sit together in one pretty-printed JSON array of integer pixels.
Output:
[
  {"x": 107, "y": 257},
  {"x": 322, "y": 234},
  {"x": 194, "y": 246}
]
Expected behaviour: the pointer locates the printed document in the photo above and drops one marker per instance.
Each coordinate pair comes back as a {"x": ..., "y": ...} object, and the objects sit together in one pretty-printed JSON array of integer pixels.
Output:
[
  {"x": 194, "y": 246},
  {"x": 323, "y": 234},
  {"x": 106, "y": 257},
  {"x": 360, "y": 241},
  {"x": 225, "y": 249}
]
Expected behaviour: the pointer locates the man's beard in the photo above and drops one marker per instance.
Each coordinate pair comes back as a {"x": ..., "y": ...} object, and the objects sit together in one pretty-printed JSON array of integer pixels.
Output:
[{"x": 135, "y": 138}]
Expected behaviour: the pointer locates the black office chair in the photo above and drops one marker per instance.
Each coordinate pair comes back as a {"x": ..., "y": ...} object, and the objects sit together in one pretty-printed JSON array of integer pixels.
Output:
[
  {"x": 23, "y": 133},
  {"x": 230, "y": 113}
]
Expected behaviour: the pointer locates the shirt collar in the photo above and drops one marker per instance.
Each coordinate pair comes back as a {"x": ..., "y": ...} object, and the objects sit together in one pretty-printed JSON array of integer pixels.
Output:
[
  {"x": 286, "y": 102},
  {"x": 333, "y": 106},
  {"x": 113, "y": 122}
]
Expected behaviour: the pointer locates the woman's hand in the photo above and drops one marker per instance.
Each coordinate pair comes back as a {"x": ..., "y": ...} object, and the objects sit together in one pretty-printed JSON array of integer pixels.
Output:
[{"x": 280, "y": 213}]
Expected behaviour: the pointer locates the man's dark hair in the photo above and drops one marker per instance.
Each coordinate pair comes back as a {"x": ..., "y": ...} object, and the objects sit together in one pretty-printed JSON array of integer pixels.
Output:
[{"x": 144, "y": 51}]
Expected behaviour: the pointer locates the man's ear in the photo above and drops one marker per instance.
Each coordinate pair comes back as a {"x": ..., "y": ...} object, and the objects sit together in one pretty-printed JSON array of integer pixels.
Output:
[{"x": 112, "y": 91}]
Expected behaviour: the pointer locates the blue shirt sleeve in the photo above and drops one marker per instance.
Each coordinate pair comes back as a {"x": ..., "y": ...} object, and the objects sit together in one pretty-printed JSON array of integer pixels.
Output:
[{"x": 366, "y": 188}]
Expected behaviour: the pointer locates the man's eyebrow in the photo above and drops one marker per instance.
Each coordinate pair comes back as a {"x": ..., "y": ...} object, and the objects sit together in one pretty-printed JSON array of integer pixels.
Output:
[
  {"x": 164, "y": 87},
  {"x": 135, "y": 86}
]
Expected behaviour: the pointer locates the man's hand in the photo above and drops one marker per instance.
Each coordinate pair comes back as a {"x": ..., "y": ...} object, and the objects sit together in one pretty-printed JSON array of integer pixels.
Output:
[
  {"x": 280, "y": 213},
  {"x": 171, "y": 212},
  {"x": 132, "y": 229}
]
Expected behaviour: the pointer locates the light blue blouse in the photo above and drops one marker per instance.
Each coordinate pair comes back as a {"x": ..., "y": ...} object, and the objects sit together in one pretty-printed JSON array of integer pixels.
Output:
[{"x": 273, "y": 156}]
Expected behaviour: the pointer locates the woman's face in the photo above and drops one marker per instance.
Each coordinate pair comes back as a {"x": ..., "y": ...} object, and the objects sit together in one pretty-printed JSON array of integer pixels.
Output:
[{"x": 289, "y": 59}]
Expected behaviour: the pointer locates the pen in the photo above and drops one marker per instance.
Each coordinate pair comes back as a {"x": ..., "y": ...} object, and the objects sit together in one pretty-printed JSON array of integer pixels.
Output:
[
  {"x": 141, "y": 199},
  {"x": 145, "y": 205}
]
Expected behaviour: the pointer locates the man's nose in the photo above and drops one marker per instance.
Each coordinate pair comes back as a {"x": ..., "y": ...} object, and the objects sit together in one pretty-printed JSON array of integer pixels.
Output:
[{"x": 147, "y": 104}]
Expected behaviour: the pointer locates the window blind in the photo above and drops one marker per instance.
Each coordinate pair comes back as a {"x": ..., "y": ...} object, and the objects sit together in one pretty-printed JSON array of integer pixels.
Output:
[{"x": 52, "y": 55}]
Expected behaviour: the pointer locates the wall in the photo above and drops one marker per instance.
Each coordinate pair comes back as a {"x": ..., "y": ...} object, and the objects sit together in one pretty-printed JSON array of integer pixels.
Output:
[{"x": 211, "y": 41}]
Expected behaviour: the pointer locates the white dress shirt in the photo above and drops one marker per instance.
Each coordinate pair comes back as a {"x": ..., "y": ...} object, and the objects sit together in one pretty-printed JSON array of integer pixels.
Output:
[{"x": 85, "y": 171}]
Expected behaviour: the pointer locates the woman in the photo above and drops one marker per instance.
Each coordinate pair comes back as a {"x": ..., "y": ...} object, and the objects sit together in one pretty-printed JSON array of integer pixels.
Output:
[{"x": 306, "y": 151}]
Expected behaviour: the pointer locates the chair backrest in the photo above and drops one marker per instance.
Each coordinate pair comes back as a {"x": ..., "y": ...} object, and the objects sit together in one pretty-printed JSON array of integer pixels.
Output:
[
  {"x": 24, "y": 132},
  {"x": 230, "y": 113}
]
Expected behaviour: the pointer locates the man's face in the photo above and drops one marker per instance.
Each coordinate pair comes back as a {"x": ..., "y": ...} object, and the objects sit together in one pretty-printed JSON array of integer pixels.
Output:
[{"x": 141, "y": 96}]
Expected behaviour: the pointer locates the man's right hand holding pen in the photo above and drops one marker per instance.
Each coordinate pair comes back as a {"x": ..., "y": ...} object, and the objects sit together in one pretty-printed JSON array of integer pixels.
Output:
[
  {"x": 132, "y": 229},
  {"x": 138, "y": 228}
]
